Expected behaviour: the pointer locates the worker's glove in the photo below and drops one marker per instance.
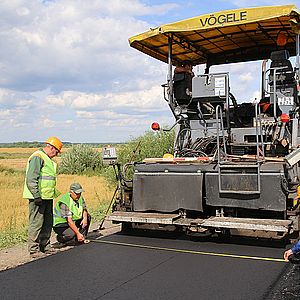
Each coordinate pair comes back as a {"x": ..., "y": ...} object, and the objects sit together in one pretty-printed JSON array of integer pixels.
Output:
[{"x": 38, "y": 201}]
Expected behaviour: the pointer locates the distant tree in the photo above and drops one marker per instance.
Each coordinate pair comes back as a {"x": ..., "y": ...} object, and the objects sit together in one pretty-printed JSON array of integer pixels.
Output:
[{"x": 33, "y": 144}]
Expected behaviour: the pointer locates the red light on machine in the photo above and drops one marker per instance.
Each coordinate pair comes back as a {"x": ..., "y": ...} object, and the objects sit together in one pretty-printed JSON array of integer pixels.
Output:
[
  {"x": 284, "y": 118},
  {"x": 155, "y": 126}
]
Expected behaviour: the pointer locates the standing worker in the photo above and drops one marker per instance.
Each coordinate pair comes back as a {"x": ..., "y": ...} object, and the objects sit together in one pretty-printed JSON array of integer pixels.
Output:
[
  {"x": 39, "y": 189},
  {"x": 71, "y": 218}
]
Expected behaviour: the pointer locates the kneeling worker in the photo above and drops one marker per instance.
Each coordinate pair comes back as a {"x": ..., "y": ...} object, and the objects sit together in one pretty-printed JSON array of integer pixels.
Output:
[{"x": 71, "y": 218}]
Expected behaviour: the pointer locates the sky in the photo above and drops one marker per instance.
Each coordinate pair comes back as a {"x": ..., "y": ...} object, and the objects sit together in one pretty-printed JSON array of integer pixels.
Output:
[{"x": 66, "y": 67}]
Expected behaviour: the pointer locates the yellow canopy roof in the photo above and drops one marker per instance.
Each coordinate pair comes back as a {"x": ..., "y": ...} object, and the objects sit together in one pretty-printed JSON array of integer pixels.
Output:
[{"x": 223, "y": 37}]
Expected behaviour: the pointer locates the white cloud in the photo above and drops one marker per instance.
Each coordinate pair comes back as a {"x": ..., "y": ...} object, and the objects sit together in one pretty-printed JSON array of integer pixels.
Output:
[
  {"x": 246, "y": 77},
  {"x": 85, "y": 114},
  {"x": 78, "y": 44},
  {"x": 5, "y": 113},
  {"x": 67, "y": 68},
  {"x": 48, "y": 123},
  {"x": 144, "y": 100}
]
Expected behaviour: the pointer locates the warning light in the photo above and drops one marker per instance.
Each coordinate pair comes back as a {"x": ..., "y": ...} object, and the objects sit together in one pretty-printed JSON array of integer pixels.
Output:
[
  {"x": 281, "y": 39},
  {"x": 155, "y": 126},
  {"x": 284, "y": 118}
]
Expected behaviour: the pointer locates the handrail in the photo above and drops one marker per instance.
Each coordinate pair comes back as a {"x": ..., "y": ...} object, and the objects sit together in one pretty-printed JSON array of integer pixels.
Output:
[
  {"x": 227, "y": 166},
  {"x": 219, "y": 111},
  {"x": 258, "y": 123}
]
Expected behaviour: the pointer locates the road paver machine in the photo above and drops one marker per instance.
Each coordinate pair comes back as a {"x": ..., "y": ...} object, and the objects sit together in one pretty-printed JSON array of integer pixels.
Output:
[{"x": 235, "y": 166}]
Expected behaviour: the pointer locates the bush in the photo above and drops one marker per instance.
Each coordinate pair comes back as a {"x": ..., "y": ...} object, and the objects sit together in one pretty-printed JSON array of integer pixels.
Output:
[
  {"x": 80, "y": 159},
  {"x": 151, "y": 144}
]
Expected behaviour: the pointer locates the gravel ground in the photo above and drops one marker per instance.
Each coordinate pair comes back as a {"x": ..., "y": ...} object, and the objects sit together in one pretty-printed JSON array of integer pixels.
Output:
[{"x": 288, "y": 285}]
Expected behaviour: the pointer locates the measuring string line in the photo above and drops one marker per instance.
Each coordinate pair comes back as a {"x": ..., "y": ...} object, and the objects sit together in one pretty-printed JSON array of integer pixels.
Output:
[{"x": 190, "y": 251}]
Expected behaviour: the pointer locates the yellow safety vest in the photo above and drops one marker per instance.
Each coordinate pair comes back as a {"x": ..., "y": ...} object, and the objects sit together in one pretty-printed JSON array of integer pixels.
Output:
[
  {"x": 77, "y": 211},
  {"x": 47, "y": 179}
]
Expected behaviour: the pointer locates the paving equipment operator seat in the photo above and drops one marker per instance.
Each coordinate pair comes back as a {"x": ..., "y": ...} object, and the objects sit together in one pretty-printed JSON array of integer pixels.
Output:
[{"x": 182, "y": 83}]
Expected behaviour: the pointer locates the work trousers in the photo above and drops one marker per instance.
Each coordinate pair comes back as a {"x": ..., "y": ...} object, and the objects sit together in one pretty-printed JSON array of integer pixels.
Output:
[
  {"x": 66, "y": 235},
  {"x": 40, "y": 225}
]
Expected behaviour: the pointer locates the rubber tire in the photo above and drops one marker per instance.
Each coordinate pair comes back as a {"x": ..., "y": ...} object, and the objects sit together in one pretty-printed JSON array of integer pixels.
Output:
[{"x": 126, "y": 227}]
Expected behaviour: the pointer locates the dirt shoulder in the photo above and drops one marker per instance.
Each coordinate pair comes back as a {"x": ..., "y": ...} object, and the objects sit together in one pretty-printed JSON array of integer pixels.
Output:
[{"x": 18, "y": 255}]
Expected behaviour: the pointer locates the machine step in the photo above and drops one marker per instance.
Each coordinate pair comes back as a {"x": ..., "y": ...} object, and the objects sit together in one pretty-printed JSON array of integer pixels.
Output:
[
  {"x": 138, "y": 217},
  {"x": 268, "y": 225},
  {"x": 282, "y": 226}
]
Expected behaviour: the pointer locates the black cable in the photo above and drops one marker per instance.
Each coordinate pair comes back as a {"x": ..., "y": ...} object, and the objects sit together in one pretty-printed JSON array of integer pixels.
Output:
[
  {"x": 203, "y": 146},
  {"x": 285, "y": 184}
]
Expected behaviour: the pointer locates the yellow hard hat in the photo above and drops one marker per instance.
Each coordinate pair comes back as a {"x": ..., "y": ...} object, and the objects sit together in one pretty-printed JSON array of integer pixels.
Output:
[
  {"x": 168, "y": 155},
  {"x": 55, "y": 142}
]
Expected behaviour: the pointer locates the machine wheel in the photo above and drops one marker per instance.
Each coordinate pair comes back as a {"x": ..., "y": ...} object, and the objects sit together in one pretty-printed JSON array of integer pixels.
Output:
[
  {"x": 223, "y": 234},
  {"x": 199, "y": 236},
  {"x": 126, "y": 227},
  {"x": 294, "y": 237}
]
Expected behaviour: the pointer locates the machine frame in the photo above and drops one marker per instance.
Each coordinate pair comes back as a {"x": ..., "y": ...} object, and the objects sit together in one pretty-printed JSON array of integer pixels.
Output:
[{"x": 236, "y": 166}]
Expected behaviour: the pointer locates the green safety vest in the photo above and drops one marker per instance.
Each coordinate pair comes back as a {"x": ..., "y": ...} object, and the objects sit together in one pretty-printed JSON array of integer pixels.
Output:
[
  {"x": 77, "y": 211},
  {"x": 47, "y": 179}
]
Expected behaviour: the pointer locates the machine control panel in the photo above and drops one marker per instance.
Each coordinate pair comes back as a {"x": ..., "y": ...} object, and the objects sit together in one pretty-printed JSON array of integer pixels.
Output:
[{"x": 210, "y": 85}]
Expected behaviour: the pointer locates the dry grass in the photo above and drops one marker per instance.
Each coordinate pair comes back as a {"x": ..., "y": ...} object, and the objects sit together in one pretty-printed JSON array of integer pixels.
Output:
[
  {"x": 14, "y": 163},
  {"x": 96, "y": 188},
  {"x": 17, "y": 150},
  {"x": 15, "y": 158},
  {"x": 14, "y": 209}
]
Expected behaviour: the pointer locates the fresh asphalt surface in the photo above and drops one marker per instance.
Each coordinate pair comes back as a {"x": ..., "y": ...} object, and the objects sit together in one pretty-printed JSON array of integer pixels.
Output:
[{"x": 108, "y": 271}]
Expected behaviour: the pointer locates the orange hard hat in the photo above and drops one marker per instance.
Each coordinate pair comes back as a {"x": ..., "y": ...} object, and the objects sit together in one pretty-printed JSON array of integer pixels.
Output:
[{"x": 55, "y": 142}]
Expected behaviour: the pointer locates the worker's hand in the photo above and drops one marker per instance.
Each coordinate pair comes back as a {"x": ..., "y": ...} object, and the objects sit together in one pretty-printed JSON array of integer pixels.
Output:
[
  {"x": 286, "y": 254},
  {"x": 83, "y": 223},
  {"x": 80, "y": 237},
  {"x": 38, "y": 201}
]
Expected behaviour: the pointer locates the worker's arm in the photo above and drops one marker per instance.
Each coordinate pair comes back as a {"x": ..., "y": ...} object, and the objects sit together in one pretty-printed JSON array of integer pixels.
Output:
[
  {"x": 295, "y": 249},
  {"x": 33, "y": 175},
  {"x": 73, "y": 226},
  {"x": 84, "y": 221}
]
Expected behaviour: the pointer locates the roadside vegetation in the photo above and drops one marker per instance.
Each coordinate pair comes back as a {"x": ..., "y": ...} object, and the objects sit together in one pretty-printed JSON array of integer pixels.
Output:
[
  {"x": 151, "y": 144},
  {"x": 81, "y": 159},
  {"x": 78, "y": 163}
]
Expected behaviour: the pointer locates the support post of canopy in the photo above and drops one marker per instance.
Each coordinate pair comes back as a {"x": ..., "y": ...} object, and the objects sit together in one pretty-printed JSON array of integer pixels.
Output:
[
  {"x": 297, "y": 57},
  {"x": 170, "y": 81}
]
